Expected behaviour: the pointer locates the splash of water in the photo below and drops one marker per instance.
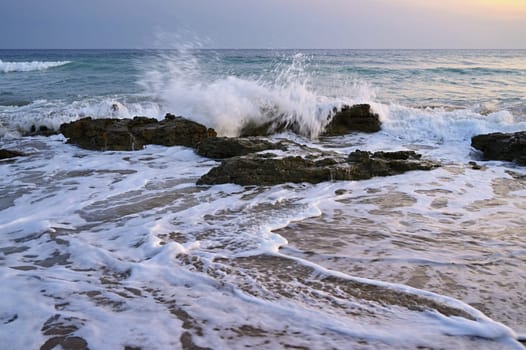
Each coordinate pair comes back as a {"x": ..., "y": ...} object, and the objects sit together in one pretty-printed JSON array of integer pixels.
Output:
[{"x": 227, "y": 102}]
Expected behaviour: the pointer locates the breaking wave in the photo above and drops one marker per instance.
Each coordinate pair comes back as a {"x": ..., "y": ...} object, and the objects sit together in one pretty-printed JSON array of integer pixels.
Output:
[
  {"x": 7, "y": 67},
  {"x": 229, "y": 102},
  {"x": 291, "y": 94}
]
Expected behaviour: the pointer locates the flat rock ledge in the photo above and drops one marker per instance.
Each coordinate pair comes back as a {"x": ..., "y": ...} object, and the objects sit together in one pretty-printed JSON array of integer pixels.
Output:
[
  {"x": 347, "y": 119},
  {"x": 502, "y": 146},
  {"x": 109, "y": 134},
  {"x": 268, "y": 170}
]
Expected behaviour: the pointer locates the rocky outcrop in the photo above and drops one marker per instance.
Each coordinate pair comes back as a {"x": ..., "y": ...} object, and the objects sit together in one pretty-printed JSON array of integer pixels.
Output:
[
  {"x": 6, "y": 154},
  {"x": 101, "y": 134},
  {"x": 133, "y": 134},
  {"x": 501, "y": 146},
  {"x": 348, "y": 119},
  {"x": 227, "y": 147},
  {"x": 265, "y": 169},
  {"x": 353, "y": 118}
]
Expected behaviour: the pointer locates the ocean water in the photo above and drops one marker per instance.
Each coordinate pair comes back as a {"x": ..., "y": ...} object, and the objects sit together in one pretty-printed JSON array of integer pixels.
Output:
[{"x": 122, "y": 250}]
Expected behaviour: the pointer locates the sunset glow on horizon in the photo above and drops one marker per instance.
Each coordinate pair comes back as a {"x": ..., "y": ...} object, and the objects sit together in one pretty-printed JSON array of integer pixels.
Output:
[
  {"x": 487, "y": 8},
  {"x": 513, "y": 7},
  {"x": 269, "y": 24}
]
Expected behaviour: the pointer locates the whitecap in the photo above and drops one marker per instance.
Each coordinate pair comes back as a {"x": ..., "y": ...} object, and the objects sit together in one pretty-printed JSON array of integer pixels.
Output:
[{"x": 7, "y": 67}]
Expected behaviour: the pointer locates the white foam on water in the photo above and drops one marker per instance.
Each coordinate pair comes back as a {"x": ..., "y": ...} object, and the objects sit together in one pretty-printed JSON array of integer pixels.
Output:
[
  {"x": 228, "y": 103},
  {"x": 7, "y": 67},
  {"x": 441, "y": 126},
  {"x": 15, "y": 121},
  {"x": 113, "y": 209},
  {"x": 118, "y": 238}
]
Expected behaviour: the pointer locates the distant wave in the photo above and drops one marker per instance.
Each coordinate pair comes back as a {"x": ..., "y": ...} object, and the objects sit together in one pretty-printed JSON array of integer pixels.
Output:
[
  {"x": 475, "y": 71},
  {"x": 6, "y": 67}
]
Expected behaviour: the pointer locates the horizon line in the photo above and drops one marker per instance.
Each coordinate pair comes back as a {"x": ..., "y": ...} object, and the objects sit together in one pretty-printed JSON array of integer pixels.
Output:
[{"x": 260, "y": 48}]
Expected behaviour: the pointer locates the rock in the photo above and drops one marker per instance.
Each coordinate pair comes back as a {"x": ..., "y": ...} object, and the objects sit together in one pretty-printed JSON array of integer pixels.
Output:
[
  {"x": 261, "y": 170},
  {"x": 397, "y": 155},
  {"x": 353, "y": 118},
  {"x": 366, "y": 165},
  {"x": 270, "y": 127},
  {"x": 133, "y": 134},
  {"x": 101, "y": 134},
  {"x": 501, "y": 146},
  {"x": 42, "y": 130},
  {"x": 475, "y": 166},
  {"x": 172, "y": 131},
  {"x": 6, "y": 154},
  {"x": 226, "y": 147},
  {"x": 265, "y": 171},
  {"x": 348, "y": 119}
]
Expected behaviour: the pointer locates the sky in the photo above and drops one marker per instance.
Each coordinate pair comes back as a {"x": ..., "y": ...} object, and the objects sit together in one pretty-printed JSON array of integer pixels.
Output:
[{"x": 360, "y": 24}]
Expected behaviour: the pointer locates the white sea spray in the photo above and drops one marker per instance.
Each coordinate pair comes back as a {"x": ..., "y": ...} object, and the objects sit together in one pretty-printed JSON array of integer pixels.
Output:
[{"x": 227, "y": 102}]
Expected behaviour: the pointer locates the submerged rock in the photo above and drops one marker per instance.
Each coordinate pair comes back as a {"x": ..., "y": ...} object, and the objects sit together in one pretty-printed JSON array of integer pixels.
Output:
[
  {"x": 501, "y": 146},
  {"x": 6, "y": 154},
  {"x": 133, "y": 134},
  {"x": 344, "y": 121},
  {"x": 42, "y": 130},
  {"x": 264, "y": 170},
  {"x": 366, "y": 164},
  {"x": 353, "y": 118},
  {"x": 227, "y": 147}
]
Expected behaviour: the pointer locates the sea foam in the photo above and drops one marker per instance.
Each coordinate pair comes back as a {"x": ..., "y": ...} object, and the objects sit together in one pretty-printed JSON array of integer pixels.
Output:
[
  {"x": 7, "y": 67},
  {"x": 440, "y": 126},
  {"x": 228, "y": 102}
]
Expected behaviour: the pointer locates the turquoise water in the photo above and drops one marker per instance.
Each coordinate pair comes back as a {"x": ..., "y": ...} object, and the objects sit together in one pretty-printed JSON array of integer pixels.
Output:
[
  {"x": 456, "y": 78},
  {"x": 223, "y": 88}
]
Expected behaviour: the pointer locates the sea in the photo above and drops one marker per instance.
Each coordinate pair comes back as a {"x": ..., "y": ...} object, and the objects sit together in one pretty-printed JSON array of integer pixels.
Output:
[{"x": 122, "y": 250}]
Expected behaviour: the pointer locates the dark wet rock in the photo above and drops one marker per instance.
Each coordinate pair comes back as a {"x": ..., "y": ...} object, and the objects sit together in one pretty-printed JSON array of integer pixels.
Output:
[
  {"x": 172, "y": 131},
  {"x": 343, "y": 121},
  {"x": 6, "y": 154},
  {"x": 265, "y": 171},
  {"x": 101, "y": 134},
  {"x": 353, "y": 118},
  {"x": 501, "y": 146},
  {"x": 397, "y": 155},
  {"x": 366, "y": 164},
  {"x": 476, "y": 166},
  {"x": 134, "y": 134},
  {"x": 227, "y": 147},
  {"x": 260, "y": 170},
  {"x": 271, "y": 127},
  {"x": 42, "y": 130}
]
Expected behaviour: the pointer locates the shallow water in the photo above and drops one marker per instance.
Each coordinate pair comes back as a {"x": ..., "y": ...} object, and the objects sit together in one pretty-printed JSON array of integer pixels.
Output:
[
  {"x": 422, "y": 235},
  {"x": 423, "y": 259}
]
